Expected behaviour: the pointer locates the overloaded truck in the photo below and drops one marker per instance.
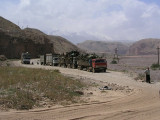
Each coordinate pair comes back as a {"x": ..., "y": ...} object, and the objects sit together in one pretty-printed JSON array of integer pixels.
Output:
[
  {"x": 25, "y": 58},
  {"x": 69, "y": 59},
  {"x": 62, "y": 61},
  {"x": 73, "y": 59},
  {"x": 92, "y": 63}
]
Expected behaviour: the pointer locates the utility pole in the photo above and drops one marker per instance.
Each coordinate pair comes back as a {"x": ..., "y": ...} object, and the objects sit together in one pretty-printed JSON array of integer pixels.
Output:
[
  {"x": 158, "y": 53},
  {"x": 116, "y": 54}
]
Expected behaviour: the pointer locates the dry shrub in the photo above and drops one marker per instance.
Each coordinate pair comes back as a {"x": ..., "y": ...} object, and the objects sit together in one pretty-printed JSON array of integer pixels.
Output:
[
  {"x": 155, "y": 66},
  {"x": 24, "y": 88},
  {"x": 3, "y": 58},
  {"x": 140, "y": 76}
]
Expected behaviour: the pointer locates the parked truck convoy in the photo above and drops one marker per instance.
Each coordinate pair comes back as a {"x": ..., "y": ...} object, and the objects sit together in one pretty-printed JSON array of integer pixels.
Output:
[
  {"x": 25, "y": 58},
  {"x": 75, "y": 60}
]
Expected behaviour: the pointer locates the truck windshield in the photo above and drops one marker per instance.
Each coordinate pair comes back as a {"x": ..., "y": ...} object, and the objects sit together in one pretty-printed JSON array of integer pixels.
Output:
[
  {"x": 26, "y": 56},
  {"x": 100, "y": 61},
  {"x": 55, "y": 58}
]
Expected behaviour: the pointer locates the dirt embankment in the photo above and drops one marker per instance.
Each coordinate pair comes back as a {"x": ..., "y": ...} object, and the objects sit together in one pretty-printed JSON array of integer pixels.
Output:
[{"x": 141, "y": 104}]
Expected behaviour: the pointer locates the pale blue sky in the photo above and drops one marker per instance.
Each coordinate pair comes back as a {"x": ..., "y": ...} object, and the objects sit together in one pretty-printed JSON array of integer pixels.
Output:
[
  {"x": 87, "y": 19},
  {"x": 151, "y": 1}
]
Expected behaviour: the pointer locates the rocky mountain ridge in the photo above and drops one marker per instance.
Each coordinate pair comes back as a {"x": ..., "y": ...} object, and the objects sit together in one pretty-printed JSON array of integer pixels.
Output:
[
  {"x": 104, "y": 47},
  {"x": 141, "y": 47}
]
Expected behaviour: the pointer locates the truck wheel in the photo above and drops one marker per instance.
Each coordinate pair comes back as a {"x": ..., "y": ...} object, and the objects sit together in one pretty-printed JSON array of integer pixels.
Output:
[
  {"x": 80, "y": 67},
  {"x": 88, "y": 69},
  {"x": 67, "y": 65}
]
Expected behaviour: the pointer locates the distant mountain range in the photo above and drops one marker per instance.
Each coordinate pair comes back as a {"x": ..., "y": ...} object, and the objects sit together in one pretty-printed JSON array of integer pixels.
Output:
[
  {"x": 142, "y": 47},
  {"x": 103, "y": 47},
  {"x": 14, "y": 41}
]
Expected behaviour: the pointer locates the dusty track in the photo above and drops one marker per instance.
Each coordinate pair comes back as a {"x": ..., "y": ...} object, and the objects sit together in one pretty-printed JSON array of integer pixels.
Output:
[{"x": 142, "y": 104}]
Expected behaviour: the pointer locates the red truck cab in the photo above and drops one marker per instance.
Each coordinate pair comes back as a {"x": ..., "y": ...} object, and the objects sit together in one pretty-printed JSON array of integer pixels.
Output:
[{"x": 99, "y": 65}]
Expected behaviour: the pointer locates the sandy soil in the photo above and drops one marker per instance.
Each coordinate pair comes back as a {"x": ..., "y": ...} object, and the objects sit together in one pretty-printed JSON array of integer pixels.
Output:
[{"x": 141, "y": 102}]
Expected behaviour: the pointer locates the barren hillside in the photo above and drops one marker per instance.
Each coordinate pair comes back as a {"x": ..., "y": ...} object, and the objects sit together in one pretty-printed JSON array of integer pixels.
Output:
[
  {"x": 14, "y": 41},
  {"x": 144, "y": 47},
  {"x": 102, "y": 46},
  {"x": 61, "y": 45}
]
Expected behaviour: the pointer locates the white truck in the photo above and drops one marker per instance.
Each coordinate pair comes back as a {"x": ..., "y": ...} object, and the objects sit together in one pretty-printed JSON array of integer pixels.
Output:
[
  {"x": 55, "y": 59},
  {"x": 25, "y": 58}
]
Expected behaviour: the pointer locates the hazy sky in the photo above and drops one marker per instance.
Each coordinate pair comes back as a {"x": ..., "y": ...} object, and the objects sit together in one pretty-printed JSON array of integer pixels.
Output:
[{"x": 97, "y": 19}]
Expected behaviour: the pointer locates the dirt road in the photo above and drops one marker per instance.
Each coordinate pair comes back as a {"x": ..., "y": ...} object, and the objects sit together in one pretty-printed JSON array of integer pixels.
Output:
[{"x": 142, "y": 104}]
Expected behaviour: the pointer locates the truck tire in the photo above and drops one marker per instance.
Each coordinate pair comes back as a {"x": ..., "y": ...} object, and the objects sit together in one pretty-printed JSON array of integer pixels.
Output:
[
  {"x": 68, "y": 66},
  {"x": 80, "y": 67},
  {"x": 88, "y": 69}
]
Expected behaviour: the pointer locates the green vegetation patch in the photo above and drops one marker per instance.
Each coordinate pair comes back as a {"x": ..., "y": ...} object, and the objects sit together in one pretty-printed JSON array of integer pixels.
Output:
[
  {"x": 113, "y": 62},
  {"x": 24, "y": 88},
  {"x": 155, "y": 66}
]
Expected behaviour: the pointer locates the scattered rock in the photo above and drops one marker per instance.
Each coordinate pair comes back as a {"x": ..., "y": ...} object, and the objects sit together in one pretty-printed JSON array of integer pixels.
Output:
[
  {"x": 105, "y": 88},
  {"x": 79, "y": 92},
  {"x": 3, "y": 58}
]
